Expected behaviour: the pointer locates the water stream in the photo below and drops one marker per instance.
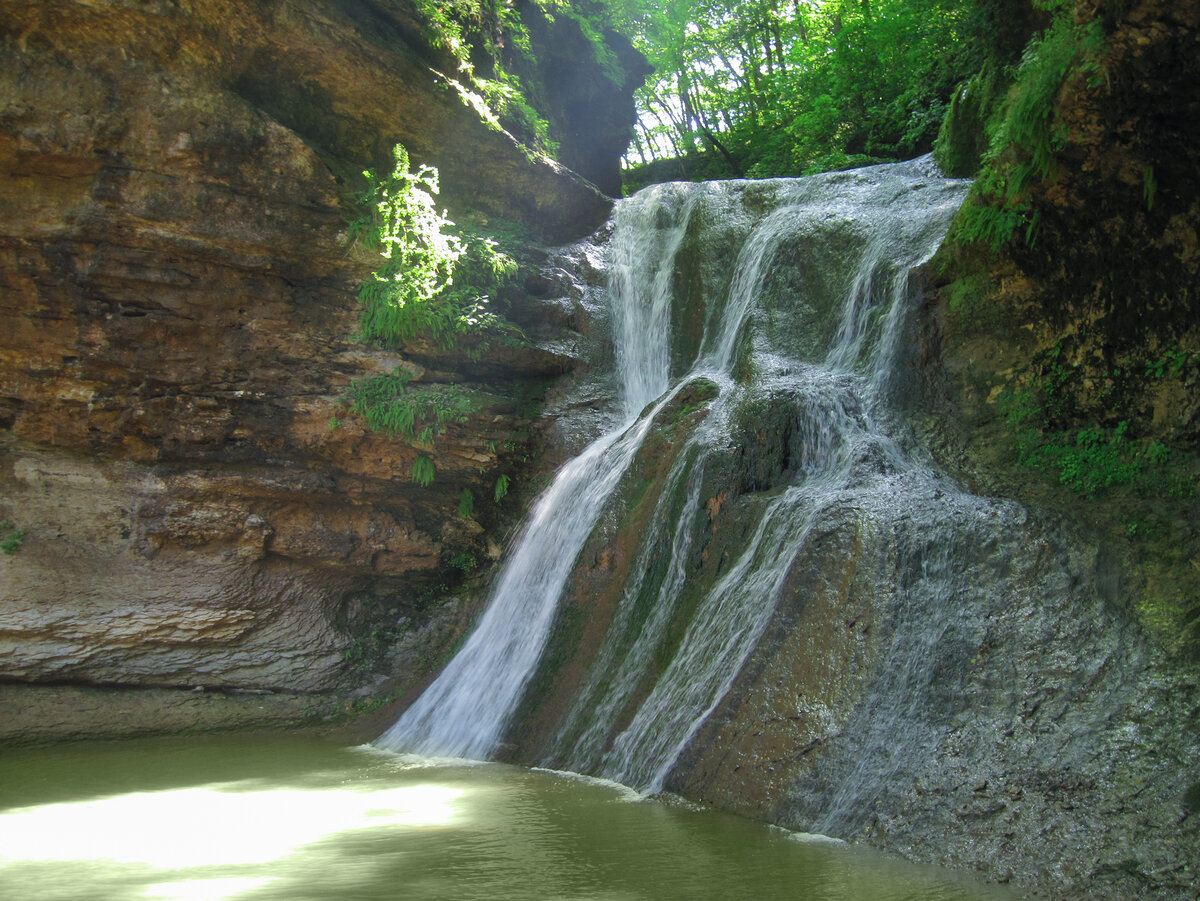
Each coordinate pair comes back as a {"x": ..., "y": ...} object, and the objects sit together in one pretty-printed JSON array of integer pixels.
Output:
[
  {"x": 463, "y": 713},
  {"x": 804, "y": 296}
]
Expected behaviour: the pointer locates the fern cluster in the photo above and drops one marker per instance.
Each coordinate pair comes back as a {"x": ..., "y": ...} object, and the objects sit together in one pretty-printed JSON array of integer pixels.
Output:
[
  {"x": 433, "y": 280},
  {"x": 1025, "y": 138},
  {"x": 420, "y": 415}
]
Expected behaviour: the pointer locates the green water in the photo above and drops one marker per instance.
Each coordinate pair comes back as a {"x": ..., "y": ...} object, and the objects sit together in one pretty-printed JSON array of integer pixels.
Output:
[{"x": 289, "y": 818}]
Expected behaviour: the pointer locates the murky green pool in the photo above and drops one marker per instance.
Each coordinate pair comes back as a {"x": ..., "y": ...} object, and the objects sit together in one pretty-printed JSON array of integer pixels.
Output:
[{"x": 299, "y": 818}]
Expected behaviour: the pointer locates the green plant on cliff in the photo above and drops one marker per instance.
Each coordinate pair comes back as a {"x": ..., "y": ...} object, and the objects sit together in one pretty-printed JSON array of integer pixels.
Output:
[
  {"x": 1091, "y": 458},
  {"x": 501, "y": 490},
  {"x": 433, "y": 281},
  {"x": 487, "y": 38},
  {"x": 466, "y": 503},
  {"x": 389, "y": 405},
  {"x": 423, "y": 471},
  {"x": 11, "y": 538},
  {"x": 1024, "y": 145}
]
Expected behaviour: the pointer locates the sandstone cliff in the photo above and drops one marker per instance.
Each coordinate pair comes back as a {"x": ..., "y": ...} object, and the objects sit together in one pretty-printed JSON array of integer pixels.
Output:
[{"x": 178, "y": 304}]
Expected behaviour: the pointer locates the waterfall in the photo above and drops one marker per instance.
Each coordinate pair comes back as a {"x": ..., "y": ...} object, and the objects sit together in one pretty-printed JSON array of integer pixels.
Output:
[
  {"x": 464, "y": 711},
  {"x": 840, "y": 446},
  {"x": 805, "y": 327}
]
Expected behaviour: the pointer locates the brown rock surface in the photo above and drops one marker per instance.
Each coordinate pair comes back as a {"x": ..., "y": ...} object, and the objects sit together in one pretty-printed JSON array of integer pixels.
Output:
[{"x": 178, "y": 305}]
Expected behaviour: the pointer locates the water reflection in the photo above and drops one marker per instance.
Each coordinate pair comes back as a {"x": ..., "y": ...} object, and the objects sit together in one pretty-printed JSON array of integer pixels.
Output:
[{"x": 312, "y": 821}]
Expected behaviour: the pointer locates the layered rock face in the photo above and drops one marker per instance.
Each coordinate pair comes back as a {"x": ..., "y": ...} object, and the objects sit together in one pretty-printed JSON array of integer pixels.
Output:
[{"x": 178, "y": 304}]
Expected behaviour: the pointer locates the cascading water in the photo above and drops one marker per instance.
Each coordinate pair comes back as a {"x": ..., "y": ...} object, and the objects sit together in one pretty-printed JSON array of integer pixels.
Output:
[
  {"x": 808, "y": 320},
  {"x": 756, "y": 590},
  {"x": 464, "y": 711},
  {"x": 888, "y": 225}
]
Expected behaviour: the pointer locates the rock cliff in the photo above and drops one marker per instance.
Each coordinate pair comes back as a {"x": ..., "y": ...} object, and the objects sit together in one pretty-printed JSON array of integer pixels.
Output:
[
  {"x": 193, "y": 505},
  {"x": 1074, "y": 347},
  {"x": 1062, "y": 368}
]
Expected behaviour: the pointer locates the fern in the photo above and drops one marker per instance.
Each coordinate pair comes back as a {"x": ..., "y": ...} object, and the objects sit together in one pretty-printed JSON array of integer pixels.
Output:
[
  {"x": 389, "y": 406},
  {"x": 501, "y": 488},
  {"x": 433, "y": 282},
  {"x": 423, "y": 471},
  {"x": 466, "y": 503},
  {"x": 1023, "y": 151}
]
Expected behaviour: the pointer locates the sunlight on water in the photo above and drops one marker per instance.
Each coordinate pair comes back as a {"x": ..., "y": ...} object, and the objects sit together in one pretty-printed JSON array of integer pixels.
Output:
[
  {"x": 296, "y": 819},
  {"x": 204, "y": 889},
  {"x": 232, "y": 824}
]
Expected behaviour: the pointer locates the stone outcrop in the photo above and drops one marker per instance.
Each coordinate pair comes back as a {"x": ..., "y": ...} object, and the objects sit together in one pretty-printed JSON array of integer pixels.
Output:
[
  {"x": 177, "y": 294},
  {"x": 590, "y": 115}
]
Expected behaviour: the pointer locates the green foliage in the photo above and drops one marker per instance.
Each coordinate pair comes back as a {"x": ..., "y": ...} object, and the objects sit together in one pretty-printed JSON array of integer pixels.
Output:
[
  {"x": 968, "y": 297},
  {"x": 965, "y": 134},
  {"x": 11, "y": 538},
  {"x": 363, "y": 706},
  {"x": 501, "y": 488},
  {"x": 1093, "y": 459},
  {"x": 423, "y": 471},
  {"x": 433, "y": 280},
  {"x": 464, "y": 562},
  {"x": 773, "y": 87},
  {"x": 388, "y": 405},
  {"x": 1024, "y": 146},
  {"x": 466, "y": 503},
  {"x": 1170, "y": 364},
  {"x": 488, "y": 38}
]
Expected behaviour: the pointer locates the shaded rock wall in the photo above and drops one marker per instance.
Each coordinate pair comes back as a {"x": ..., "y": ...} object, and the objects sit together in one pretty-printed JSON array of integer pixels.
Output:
[
  {"x": 1110, "y": 271},
  {"x": 1092, "y": 323},
  {"x": 177, "y": 299}
]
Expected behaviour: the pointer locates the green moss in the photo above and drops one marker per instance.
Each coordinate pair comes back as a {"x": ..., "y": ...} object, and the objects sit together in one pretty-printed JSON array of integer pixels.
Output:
[
  {"x": 971, "y": 300},
  {"x": 1166, "y": 618},
  {"x": 363, "y": 706},
  {"x": 970, "y": 122}
]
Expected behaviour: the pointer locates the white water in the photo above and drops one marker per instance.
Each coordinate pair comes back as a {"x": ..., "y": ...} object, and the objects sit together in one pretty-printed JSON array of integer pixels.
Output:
[
  {"x": 882, "y": 221},
  {"x": 839, "y": 445},
  {"x": 463, "y": 713}
]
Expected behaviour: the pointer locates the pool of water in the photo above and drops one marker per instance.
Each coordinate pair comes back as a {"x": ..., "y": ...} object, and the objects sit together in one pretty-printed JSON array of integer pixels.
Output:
[{"x": 302, "y": 818}]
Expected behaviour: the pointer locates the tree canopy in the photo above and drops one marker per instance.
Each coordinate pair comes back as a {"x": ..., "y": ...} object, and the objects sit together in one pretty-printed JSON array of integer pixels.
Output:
[
  {"x": 756, "y": 87},
  {"x": 784, "y": 87}
]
